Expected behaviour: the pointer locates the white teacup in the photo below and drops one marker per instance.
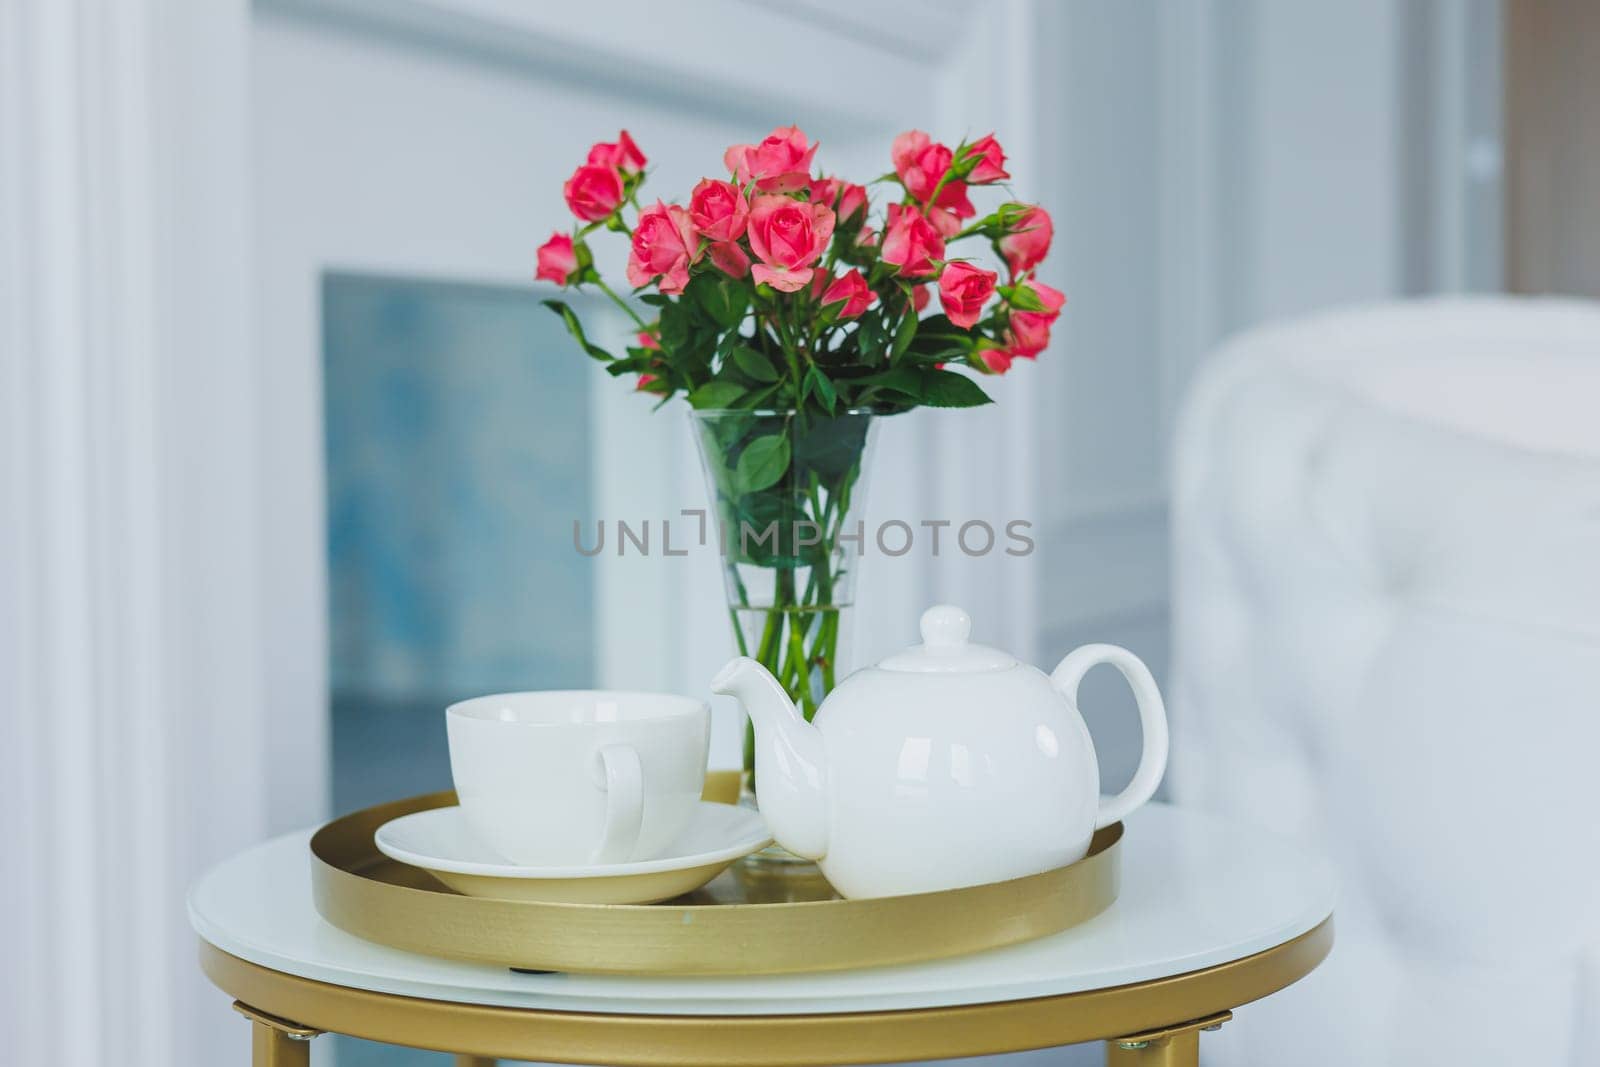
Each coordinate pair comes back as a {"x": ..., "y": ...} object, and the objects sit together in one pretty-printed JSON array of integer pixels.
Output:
[{"x": 576, "y": 777}]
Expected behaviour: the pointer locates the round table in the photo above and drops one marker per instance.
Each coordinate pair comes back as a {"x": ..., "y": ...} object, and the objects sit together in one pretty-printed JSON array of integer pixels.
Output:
[{"x": 1211, "y": 915}]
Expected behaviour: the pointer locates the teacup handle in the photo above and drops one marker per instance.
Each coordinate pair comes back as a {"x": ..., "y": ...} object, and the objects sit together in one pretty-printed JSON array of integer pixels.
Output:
[
  {"x": 1152, "y": 721},
  {"x": 624, "y": 782}
]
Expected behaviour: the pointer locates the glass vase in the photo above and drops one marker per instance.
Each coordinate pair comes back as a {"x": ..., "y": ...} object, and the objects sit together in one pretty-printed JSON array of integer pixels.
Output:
[{"x": 786, "y": 491}]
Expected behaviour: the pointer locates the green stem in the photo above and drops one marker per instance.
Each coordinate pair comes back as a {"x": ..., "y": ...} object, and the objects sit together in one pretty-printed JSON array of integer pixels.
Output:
[{"x": 604, "y": 288}]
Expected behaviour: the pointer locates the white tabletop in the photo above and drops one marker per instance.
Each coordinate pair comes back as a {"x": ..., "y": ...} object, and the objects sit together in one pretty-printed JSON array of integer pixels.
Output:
[{"x": 1196, "y": 891}]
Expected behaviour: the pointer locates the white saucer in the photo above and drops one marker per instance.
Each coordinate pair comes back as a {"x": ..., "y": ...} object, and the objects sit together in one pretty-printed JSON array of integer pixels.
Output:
[{"x": 440, "y": 842}]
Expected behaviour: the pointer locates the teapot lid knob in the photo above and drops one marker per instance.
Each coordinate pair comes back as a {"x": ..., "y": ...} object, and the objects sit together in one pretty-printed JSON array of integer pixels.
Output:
[
  {"x": 945, "y": 626},
  {"x": 945, "y": 648}
]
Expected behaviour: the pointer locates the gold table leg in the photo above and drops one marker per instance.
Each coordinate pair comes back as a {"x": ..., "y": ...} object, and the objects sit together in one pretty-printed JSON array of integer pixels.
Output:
[
  {"x": 1171, "y": 1046},
  {"x": 276, "y": 1042}
]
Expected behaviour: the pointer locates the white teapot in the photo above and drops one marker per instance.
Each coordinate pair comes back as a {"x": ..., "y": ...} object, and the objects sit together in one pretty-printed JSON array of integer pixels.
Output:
[{"x": 948, "y": 764}]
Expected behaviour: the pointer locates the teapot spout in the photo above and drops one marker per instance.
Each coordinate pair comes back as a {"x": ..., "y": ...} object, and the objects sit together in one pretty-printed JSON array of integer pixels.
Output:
[{"x": 790, "y": 761}]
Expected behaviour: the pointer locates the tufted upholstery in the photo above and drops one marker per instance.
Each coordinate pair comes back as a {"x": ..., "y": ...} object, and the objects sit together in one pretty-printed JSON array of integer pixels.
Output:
[{"x": 1386, "y": 615}]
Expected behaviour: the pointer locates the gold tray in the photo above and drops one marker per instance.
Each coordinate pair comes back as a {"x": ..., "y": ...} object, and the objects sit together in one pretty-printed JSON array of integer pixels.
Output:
[{"x": 748, "y": 920}]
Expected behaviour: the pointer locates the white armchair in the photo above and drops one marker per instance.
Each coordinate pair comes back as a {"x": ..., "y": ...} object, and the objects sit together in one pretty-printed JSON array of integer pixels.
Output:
[{"x": 1386, "y": 617}]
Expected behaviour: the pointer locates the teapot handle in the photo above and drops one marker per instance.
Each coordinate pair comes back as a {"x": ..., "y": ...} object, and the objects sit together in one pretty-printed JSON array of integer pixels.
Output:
[{"x": 1152, "y": 721}]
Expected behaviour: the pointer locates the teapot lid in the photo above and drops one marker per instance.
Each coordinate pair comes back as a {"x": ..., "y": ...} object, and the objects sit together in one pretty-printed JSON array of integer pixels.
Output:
[{"x": 945, "y": 648}]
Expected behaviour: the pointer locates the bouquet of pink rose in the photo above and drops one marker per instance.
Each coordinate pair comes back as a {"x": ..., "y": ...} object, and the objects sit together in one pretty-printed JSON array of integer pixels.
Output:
[
  {"x": 772, "y": 289},
  {"x": 790, "y": 320}
]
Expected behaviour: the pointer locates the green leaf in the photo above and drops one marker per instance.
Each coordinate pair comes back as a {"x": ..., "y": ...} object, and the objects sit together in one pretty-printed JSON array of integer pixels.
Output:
[
  {"x": 722, "y": 298},
  {"x": 903, "y": 335},
  {"x": 655, "y": 299},
  {"x": 631, "y": 365},
  {"x": 674, "y": 326},
  {"x": 762, "y": 463},
  {"x": 575, "y": 328},
  {"x": 754, "y": 364},
  {"x": 948, "y": 389},
  {"x": 870, "y": 337},
  {"x": 900, "y": 380},
  {"x": 819, "y": 383},
  {"x": 716, "y": 395}
]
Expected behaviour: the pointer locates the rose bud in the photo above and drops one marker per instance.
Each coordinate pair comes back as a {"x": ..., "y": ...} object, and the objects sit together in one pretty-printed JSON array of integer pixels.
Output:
[
  {"x": 1030, "y": 330},
  {"x": 911, "y": 242},
  {"x": 718, "y": 210},
  {"x": 951, "y": 207},
  {"x": 594, "y": 191},
  {"x": 846, "y": 198},
  {"x": 996, "y": 360},
  {"x": 852, "y": 289},
  {"x": 920, "y": 162},
  {"x": 558, "y": 260},
  {"x": 991, "y": 161},
  {"x": 624, "y": 155},
  {"x": 852, "y": 200},
  {"x": 1028, "y": 240},
  {"x": 781, "y": 163},
  {"x": 963, "y": 290}
]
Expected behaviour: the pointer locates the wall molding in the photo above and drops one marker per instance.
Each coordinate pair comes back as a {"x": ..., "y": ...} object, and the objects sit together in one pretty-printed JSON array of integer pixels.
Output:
[{"x": 664, "y": 56}]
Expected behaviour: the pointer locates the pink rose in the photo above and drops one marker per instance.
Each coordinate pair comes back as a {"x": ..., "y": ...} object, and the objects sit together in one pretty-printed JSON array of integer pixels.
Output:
[
  {"x": 997, "y": 361},
  {"x": 558, "y": 260},
  {"x": 867, "y": 238},
  {"x": 991, "y": 165},
  {"x": 852, "y": 200},
  {"x": 787, "y": 236},
  {"x": 905, "y": 148},
  {"x": 1029, "y": 240},
  {"x": 647, "y": 339},
  {"x": 963, "y": 289},
  {"x": 911, "y": 242},
  {"x": 920, "y": 162},
  {"x": 1053, "y": 299},
  {"x": 779, "y": 164},
  {"x": 1030, "y": 330},
  {"x": 624, "y": 155},
  {"x": 846, "y": 198},
  {"x": 852, "y": 289},
  {"x": 718, "y": 210},
  {"x": 644, "y": 383},
  {"x": 951, "y": 207},
  {"x": 664, "y": 245},
  {"x": 730, "y": 259},
  {"x": 919, "y": 298},
  {"x": 594, "y": 191}
]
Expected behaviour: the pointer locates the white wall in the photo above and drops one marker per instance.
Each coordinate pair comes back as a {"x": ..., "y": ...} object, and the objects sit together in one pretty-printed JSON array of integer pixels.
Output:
[{"x": 1220, "y": 164}]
